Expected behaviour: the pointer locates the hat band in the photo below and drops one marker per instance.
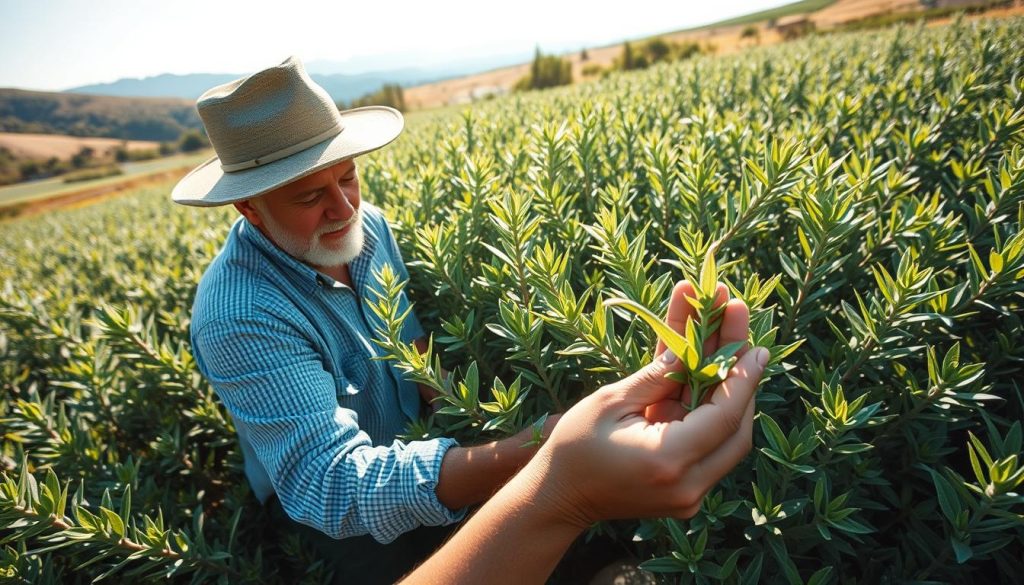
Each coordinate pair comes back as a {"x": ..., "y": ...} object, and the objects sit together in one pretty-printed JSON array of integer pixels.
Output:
[{"x": 284, "y": 152}]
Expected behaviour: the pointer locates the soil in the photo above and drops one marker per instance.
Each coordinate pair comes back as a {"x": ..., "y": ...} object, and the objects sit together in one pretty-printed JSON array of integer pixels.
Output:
[{"x": 46, "y": 146}]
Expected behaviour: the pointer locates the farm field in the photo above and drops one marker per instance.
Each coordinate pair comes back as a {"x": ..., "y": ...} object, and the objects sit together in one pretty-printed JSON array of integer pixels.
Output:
[
  {"x": 44, "y": 146},
  {"x": 725, "y": 38},
  {"x": 22, "y": 193},
  {"x": 862, "y": 192}
]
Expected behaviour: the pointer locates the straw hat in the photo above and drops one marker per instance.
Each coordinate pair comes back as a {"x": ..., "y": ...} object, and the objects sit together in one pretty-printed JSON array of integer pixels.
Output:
[{"x": 274, "y": 127}]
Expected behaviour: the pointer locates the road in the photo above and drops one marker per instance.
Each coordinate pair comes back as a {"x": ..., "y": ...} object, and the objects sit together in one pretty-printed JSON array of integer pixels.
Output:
[{"x": 53, "y": 187}]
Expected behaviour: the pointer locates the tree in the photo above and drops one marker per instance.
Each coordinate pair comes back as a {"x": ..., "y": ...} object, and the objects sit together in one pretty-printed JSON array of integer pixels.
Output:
[
  {"x": 546, "y": 71},
  {"x": 628, "y": 62},
  {"x": 657, "y": 49},
  {"x": 191, "y": 141},
  {"x": 82, "y": 158},
  {"x": 751, "y": 32},
  {"x": 390, "y": 94}
]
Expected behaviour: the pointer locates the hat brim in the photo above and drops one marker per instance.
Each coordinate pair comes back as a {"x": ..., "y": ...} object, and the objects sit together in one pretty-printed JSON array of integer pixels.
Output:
[{"x": 366, "y": 129}]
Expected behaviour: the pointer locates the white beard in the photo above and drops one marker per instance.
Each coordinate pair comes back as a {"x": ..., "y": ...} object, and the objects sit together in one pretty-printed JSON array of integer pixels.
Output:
[{"x": 315, "y": 252}]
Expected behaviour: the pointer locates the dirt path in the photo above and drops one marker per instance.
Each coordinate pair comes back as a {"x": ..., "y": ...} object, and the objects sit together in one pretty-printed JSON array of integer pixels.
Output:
[{"x": 89, "y": 195}]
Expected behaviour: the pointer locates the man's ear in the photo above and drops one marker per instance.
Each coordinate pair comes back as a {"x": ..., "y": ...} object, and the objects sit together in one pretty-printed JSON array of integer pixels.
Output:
[{"x": 249, "y": 210}]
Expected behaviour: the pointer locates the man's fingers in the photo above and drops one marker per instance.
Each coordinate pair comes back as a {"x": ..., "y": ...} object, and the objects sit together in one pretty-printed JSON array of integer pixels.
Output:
[
  {"x": 711, "y": 424},
  {"x": 679, "y": 311},
  {"x": 721, "y": 296},
  {"x": 709, "y": 470},
  {"x": 647, "y": 385},
  {"x": 735, "y": 325}
]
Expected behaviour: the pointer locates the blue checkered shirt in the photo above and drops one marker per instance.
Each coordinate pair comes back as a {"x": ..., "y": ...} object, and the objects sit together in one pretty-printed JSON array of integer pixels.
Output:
[{"x": 287, "y": 349}]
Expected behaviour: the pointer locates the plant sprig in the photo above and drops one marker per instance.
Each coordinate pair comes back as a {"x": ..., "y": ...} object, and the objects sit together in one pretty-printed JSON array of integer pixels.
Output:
[{"x": 701, "y": 372}]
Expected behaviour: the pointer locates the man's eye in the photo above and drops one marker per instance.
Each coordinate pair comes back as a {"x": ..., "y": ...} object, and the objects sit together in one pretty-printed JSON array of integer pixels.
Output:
[{"x": 311, "y": 199}]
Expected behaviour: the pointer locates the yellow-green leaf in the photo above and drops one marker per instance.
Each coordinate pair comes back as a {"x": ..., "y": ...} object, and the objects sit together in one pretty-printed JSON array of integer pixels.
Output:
[
  {"x": 673, "y": 340},
  {"x": 709, "y": 274},
  {"x": 995, "y": 260}
]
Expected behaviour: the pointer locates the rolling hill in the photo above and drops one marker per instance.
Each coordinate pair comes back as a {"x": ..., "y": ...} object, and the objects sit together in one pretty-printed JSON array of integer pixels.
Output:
[{"x": 101, "y": 116}]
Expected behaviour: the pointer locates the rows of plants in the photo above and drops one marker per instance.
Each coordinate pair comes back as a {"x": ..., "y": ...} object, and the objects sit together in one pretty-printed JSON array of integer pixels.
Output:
[{"x": 863, "y": 193}]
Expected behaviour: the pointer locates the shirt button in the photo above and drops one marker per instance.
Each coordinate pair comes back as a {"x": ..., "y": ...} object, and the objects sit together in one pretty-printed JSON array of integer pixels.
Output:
[{"x": 320, "y": 281}]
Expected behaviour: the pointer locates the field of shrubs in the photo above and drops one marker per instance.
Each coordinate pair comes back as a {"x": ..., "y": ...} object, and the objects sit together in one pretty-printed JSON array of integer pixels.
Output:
[{"x": 864, "y": 193}]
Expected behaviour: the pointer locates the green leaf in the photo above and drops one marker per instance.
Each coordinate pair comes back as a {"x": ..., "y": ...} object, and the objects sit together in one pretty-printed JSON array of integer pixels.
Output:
[
  {"x": 771, "y": 431},
  {"x": 821, "y": 576},
  {"x": 673, "y": 340},
  {"x": 679, "y": 537},
  {"x": 952, "y": 360},
  {"x": 778, "y": 548},
  {"x": 115, "y": 521},
  {"x": 663, "y": 565},
  {"x": 779, "y": 458},
  {"x": 126, "y": 505},
  {"x": 962, "y": 549},
  {"x": 709, "y": 274},
  {"x": 948, "y": 500},
  {"x": 850, "y": 448}
]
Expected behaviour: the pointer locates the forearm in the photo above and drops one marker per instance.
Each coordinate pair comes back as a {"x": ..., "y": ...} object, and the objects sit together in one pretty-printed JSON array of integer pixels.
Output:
[
  {"x": 515, "y": 538},
  {"x": 470, "y": 475}
]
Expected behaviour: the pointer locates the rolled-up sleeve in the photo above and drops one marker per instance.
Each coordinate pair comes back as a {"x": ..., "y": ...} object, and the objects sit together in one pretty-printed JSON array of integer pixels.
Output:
[{"x": 325, "y": 470}]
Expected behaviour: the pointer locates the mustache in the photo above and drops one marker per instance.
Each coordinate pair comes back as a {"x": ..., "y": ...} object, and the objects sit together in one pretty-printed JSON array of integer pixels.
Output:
[{"x": 339, "y": 225}]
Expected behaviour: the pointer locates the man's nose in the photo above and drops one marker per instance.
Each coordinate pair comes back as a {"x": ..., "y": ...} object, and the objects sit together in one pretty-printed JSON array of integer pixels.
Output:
[{"x": 339, "y": 207}]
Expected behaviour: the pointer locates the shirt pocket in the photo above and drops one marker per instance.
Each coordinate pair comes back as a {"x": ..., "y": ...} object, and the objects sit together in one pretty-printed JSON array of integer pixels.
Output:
[
  {"x": 352, "y": 379},
  {"x": 344, "y": 388}
]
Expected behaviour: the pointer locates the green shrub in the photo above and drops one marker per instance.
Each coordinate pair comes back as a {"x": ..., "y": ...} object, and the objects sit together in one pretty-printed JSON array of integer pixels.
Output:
[
  {"x": 192, "y": 140},
  {"x": 91, "y": 173},
  {"x": 390, "y": 94},
  {"x": 592, "y": 70},
  {"x": 654, "y": 50},
  {"x": 865, "y": 193},
  {"x": 546, "y": 71}
]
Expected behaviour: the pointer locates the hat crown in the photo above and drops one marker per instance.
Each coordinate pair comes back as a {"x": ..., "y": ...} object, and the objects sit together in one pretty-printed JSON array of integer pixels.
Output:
[{"x": 268, "y": 115}]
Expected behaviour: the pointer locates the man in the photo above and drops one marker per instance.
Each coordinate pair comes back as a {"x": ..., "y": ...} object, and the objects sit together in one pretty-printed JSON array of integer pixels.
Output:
[{"x": 281, "y": 329}]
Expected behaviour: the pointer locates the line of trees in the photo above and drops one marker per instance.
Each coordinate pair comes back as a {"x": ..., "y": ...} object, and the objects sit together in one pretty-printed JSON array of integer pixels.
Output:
[
  {"x": 653, "y": 51},
  {"x": 15, "y": 169},
  {"x": 390, "y": 94}
]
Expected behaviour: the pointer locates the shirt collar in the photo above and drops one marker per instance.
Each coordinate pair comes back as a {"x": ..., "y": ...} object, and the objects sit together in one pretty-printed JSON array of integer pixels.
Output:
[{"x": 311, "y": 278}]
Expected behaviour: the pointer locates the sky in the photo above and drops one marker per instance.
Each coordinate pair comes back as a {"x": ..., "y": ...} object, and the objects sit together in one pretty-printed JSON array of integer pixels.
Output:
[{"x": 57, "y": 44}]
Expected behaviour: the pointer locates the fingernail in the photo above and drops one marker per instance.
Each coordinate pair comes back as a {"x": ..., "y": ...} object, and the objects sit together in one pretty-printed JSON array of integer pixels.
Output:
[
  {"x": 668, "y": 357},
  {"x": 762, "y": 356}
]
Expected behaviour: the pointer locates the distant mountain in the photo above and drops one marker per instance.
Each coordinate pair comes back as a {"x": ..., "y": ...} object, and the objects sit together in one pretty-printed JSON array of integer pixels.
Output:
[
  {"x": 342, "y": 87},
  {"x": 162, "y": 107},
  {"x": 89, "y": 115},
  {"x": 187, "y": 87}
]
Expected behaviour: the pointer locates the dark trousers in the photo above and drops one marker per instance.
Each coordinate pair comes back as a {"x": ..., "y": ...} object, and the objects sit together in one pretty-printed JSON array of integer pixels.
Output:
[{"x": 361, "y": 559}]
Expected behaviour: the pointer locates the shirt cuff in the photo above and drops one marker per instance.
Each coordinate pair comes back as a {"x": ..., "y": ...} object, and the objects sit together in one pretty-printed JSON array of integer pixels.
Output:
[{"x": 431, "y": 453}]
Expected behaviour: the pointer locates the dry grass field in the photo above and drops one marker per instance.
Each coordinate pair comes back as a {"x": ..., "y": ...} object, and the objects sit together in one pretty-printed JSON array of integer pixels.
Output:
[
  {"x": 721, "y": 40},
  {"x": 46, "y": 146}
]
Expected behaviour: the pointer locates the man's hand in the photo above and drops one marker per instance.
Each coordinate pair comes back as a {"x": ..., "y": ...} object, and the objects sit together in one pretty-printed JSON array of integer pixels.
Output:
[{"x": 629, "y": 450}]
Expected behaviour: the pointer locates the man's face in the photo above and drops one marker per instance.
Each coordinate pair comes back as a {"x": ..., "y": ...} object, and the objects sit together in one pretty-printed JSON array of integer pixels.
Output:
[{"x": 315, "y": 219}]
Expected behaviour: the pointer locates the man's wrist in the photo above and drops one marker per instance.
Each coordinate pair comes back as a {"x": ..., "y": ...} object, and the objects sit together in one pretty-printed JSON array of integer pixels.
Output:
[{"x": 514, "y": 452}]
